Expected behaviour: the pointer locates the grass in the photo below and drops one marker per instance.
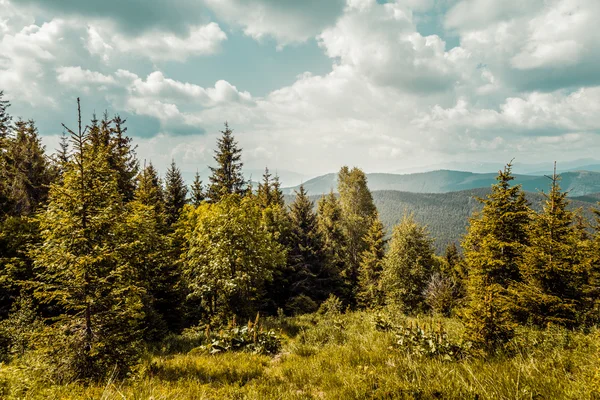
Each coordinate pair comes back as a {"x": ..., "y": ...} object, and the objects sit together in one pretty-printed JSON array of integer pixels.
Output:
[{"x": 345, "y": 357}]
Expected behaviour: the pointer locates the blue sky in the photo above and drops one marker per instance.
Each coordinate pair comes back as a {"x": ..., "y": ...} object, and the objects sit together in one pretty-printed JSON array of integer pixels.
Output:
[{"x": 311, "y": 85}]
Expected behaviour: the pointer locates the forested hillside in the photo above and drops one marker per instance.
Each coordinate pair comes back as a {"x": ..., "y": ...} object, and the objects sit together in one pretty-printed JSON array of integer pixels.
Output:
[
  {"x": 115, "y": 283},
  {"x": 576, "y": 183}
]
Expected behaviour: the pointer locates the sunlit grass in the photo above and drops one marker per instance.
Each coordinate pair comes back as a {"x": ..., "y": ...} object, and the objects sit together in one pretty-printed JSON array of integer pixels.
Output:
[{"x": 345, "y": 357}]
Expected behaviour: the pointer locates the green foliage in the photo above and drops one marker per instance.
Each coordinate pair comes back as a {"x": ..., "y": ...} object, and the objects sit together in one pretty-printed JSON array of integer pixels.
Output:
[
  {"x": 408, "y": 266},
  {"x": 197, "y": 194},
  {"x": 493, "y": 250},
  {"x": 250, "y": 338},
  {"x": 80, "y": 271},
  {"x": 442, "y": 294},
  {"x": 331, "y": 229},
  {"x": 229, "y": 256},
  {"x": 370, "y": 293},
  {"x": 149, "y": 191},
  {"x": 553, "y": 267},
  {"x": 227, "y": 176},
  {"x": 175, "y": 194},
  {"x": 358, "y": 212},
  {"x": 309, "y": 275}
]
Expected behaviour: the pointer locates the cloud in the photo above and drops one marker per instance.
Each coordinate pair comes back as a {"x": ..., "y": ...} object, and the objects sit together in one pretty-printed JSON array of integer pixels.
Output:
[
  {"x": 382, "y": 43},
  {"x": 287, "y": 21},
  {"x": 156, "y": 45}
]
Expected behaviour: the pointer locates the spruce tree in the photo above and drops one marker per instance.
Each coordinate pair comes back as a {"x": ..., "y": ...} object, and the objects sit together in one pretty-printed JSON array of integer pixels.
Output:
[
  {"x": 358, "y": 212},
  {"x": 27, "y": 171},
  {"x": 370, "y": 293},
  {"x": 81, "y": 271},
  {"x": 197, "y": 194},
  {"x": 408, "y": 266},
  {"x": 493, "y": 247},
  {"x": 265, "y": 190},
  {"x": 123, "y": 158},
  {"x": 277, "y": 193},
  {"x": 227, "y": 176},
  {"x": 331, "y": 228},
  {"x": 149, "y": 189},
  {"x": 175, "y": 194},
  {"x": 5, "y": 118},
  {"x": 552, "y": 267}
]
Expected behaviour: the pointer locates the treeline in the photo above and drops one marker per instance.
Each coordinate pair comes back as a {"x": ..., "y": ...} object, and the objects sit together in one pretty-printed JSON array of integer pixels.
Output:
[{"x": 100, "y": 257}]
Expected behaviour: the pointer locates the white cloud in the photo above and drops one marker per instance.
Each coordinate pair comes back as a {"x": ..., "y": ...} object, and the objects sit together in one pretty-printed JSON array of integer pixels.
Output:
[{"x": 287, "y": 21}]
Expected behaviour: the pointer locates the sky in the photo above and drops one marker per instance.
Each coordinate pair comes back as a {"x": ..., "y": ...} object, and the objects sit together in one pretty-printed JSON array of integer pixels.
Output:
[{"x": 309, "y": 86}]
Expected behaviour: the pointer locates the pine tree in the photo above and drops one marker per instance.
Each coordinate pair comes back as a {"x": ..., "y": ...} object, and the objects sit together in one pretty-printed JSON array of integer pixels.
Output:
[
  {"x": 5, "y": 118},
  {"x": 358, "y": 212},
  {"x": 123, "y": 158},
  {"x": 149, "y": 189},
  {"x": 311, "y": 280},
  {"x": 277, "y": 193},
  {"x": 370, "y": 293},
  {"x": 27, "y": 170},
  {"x": 227, "y": 177},
  {"x": 408, "y": 266},
  {"x": 552, "y": 268},
  {"x": 493, "y": 249},
  {"x": 175, "y": 194},
  {"x": 197, "y": 194},
  {"x": 80, "y": 270},
  {"x": 265, "y": 190},
  {"x": 331, "y": 228}
]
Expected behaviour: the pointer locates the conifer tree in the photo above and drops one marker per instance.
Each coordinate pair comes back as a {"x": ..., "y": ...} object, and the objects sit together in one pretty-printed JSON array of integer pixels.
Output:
[
  {"x": 5, "y": 118},
  {"x": 80, "y": 270},
  {"x": 408, "y": 266},
  {"x": 358, "y": 212},
  {"x": 493, "y": 247},
  {"x": 330, "y": 223},
  {"x": 123, "y": 158},
  {"x": 311, "y": 280},
  {"x": 277, "y": 193},
  {"x": 197, "y": 194},
  {"x": 149, "y": 189},
  {"x": 265, "y": 190},
  {"x": 552, "y": 267},
  {"x": 370, "y": 293},
  {"x": 227, "y": 176},
  {"x": 27, "y": 170},
  {"x": 175, "y": 194}
]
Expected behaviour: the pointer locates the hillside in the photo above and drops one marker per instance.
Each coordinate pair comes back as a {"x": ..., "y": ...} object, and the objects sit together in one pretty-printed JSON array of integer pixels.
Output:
[
  {"x": 578, "y": 183},
  {"x": 446, "y": 214}
]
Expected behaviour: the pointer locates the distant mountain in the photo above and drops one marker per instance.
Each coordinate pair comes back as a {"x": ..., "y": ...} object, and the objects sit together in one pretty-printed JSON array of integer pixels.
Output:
[
  {"x": 447, "y": 214},
  {"x": 578, "y": 183}
]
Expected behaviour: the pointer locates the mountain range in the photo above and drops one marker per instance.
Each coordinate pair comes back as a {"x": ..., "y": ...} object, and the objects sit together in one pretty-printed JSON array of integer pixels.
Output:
[{"x": 577, "y": 183}]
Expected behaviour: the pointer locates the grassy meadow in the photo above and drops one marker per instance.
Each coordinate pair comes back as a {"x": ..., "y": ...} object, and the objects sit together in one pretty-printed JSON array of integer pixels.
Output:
[{"x": 343, "y": 356}]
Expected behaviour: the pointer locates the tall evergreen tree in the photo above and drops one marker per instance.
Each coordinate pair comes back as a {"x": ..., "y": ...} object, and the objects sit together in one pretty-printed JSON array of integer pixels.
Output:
[
  {"x": 149, "y": 189},
  {"x": 358, "y": 212},
  {"x": 227, "y": 176},
  {"x": 552, "y": 268},
  {"x": 408, "y": 266},
  {"x": 331, "y": 227},
  {"x": 5, "y": 118},
  {"x": 27, "y": 170},
  {"x": 493, "y": 249},
  {"x": 197, "y": 194},
  {"x": 123, "y": 158},
  {"x": 370, "y": 292},
  {"x": 175, "y": 194},
  {"x": 265, "y": 190},
  {"x": 80, "y": 270},
  {"x": 311, "y": 279},
  {"x": 277, "y": 193}
]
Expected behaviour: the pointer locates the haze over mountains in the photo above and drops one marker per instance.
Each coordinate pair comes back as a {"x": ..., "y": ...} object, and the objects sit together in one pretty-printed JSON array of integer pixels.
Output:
[{"x": 577, "y": 183}]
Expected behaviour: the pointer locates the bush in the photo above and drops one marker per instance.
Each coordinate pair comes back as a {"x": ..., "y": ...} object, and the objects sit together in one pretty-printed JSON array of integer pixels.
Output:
[{"x": 441, "y": 294}]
